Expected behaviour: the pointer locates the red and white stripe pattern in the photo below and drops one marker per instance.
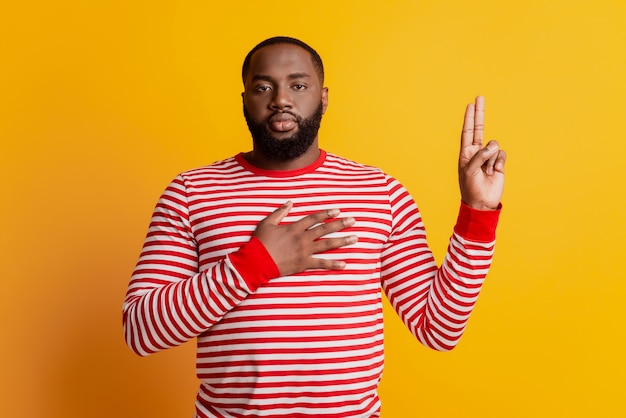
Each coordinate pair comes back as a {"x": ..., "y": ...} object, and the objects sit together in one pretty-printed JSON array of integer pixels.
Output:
[{"x": 311, "y": 344}]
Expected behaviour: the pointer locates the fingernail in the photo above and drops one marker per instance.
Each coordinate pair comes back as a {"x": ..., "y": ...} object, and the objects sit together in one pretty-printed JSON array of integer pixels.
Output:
[
  {"x": 333, "y": 212},
  {"x": 352, "y": 239},
  {"x": 349, "y": 221}
]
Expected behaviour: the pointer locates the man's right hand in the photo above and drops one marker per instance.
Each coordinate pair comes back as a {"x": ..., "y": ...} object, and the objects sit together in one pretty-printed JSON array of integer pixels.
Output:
[{"x": 292, "y": 246}]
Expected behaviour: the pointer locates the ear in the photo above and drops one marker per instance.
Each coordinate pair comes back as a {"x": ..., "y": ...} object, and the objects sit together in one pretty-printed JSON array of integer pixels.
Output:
[{"x": 324, "y": 99}]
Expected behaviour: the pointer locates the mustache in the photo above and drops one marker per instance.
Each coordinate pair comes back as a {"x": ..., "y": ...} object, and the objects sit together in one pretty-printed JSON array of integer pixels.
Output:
[
  {"x": 277, "y": 112},
  {"x": 284, "y": 112}
]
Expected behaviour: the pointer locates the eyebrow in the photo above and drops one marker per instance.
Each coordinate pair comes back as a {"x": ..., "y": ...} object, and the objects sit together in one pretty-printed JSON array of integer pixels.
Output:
[{"x": 290, "y": 76}]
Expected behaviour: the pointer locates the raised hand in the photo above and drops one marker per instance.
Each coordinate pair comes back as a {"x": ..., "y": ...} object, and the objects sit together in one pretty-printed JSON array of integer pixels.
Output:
[
  {"x": 481, "y": 169},
  {"x": 292, "y": 246}
]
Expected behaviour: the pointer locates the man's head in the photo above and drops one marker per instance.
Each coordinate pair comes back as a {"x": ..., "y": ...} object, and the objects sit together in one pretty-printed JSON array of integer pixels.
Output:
[{"x": 284, "y": 98}]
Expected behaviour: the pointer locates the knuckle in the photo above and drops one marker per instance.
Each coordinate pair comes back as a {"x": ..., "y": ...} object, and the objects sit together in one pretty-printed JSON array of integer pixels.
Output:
[
  {"x": 324, "y": 228},
  {"x": 319, "y": 263},
  {"x": 328, "y": 244}
]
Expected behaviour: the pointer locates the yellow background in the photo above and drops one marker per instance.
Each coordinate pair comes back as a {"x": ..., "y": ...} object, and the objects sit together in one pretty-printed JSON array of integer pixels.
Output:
[{"x": 102, "y": 103}]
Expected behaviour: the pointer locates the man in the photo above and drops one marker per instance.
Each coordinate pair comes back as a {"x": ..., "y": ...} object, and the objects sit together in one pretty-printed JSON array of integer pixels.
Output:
[{"x": 285, "y": 298}]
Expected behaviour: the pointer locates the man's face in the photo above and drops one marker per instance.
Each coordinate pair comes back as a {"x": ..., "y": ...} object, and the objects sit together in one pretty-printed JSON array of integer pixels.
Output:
[{"x": 283, "y": 101}]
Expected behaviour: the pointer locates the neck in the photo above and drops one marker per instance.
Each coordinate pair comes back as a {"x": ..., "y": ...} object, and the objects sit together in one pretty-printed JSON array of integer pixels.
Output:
[{"x": 260, "y": 160}]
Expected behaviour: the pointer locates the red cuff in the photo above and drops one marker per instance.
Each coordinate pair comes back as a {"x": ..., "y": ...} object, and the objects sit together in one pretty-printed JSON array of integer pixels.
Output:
[
  {"x": 254, "y": 263},
  {"x": 477, "y": 225}
]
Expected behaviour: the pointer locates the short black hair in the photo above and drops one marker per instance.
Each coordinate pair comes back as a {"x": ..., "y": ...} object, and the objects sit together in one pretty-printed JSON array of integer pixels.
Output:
[{"x": 315, "y": 57}]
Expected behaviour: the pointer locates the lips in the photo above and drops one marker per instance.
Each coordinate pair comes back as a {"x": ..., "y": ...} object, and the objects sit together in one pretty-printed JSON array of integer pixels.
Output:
[{"x": 282, "y": 122}]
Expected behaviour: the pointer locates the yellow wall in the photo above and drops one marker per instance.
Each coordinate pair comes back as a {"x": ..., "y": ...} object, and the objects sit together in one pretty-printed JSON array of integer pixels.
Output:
[{"x": 103, "y": 102}]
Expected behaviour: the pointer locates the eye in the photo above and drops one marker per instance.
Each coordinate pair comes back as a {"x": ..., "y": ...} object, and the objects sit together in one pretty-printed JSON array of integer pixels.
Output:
[
  {"x": 299, "y": 86},
  {"x": 263, "y": 88}
]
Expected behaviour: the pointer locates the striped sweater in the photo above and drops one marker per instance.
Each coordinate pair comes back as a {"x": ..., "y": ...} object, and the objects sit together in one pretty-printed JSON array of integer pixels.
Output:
[{"x": 310, "y": 344}]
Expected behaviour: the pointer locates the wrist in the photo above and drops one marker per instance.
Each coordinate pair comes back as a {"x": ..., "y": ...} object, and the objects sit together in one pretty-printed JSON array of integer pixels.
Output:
[{"x": 481, "y": 206}]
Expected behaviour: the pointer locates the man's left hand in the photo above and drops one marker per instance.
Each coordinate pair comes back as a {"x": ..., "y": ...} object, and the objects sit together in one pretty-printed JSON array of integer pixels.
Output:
[{"x": 481, "y": 169}]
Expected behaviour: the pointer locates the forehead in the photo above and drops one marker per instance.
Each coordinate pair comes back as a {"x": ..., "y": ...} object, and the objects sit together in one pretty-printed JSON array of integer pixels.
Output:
[{"x": 280, "y": 59}]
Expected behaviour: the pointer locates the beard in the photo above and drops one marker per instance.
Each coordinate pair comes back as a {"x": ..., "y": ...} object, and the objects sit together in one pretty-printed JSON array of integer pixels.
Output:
[{"x": 285, "y": 149}]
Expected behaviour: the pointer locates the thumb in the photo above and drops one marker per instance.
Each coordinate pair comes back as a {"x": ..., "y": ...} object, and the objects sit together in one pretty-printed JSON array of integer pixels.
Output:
[
  {"x": 489, "y": 152},
  {"x": 279, "y": 214}
]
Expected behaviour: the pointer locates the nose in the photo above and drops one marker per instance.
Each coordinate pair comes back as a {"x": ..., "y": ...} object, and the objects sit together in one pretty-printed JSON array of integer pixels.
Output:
[{"x": 281, "y": 99}]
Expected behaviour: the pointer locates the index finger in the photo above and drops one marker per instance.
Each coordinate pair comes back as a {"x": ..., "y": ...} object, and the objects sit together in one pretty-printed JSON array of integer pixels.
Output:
[
  {"x": 467, "y": 134},
  {"x": 316, "y": 218}
]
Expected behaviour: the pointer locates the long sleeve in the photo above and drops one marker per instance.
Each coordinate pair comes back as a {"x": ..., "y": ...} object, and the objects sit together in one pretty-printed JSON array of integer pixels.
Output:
[
  {"x": 435, "y": 303},
  {"x": 309, "y": 343},
  {"x": 169, "y": 301}
]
